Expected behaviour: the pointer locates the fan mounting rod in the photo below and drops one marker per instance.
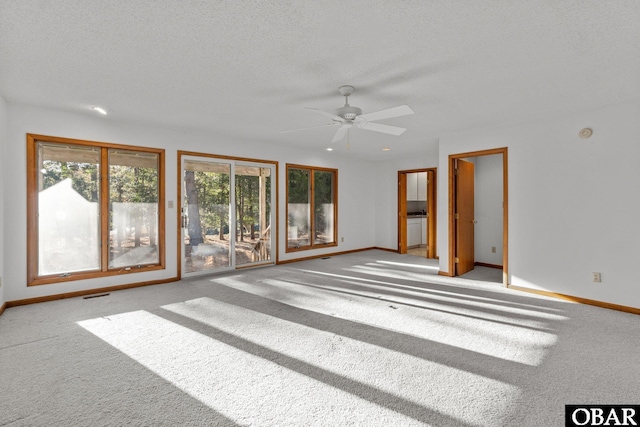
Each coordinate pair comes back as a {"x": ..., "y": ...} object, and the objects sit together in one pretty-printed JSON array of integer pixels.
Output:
[
  {"x": 347, "y": 112},
  {"x": 345, "y": 91}
]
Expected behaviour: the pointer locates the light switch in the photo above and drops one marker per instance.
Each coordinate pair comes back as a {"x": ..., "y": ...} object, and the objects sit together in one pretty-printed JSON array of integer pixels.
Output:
[{"x": 170, "y": 203}]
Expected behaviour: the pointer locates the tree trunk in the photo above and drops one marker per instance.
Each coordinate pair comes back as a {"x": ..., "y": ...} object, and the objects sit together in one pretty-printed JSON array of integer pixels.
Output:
[
  {"x": 251, "y": 203},
  {"x": 239, "y": 209},
  {"x": 138, "y": 228},
  {"x": 193, "y": 209},
  {"x": 240, "y": 221}
]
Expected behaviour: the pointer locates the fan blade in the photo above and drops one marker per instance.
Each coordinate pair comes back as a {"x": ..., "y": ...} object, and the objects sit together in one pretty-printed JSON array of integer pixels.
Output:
[
  {"x": 324, "y": 113},
  {"x": 340, "y": 133},
  {"x": 378, "y": 127},
  {"x": 311, "y": 127},
  {"x": 402, "y": 110}
]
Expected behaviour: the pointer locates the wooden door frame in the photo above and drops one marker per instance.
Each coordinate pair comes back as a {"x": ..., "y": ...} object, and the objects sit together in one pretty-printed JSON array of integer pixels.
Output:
[
  {"x": 505, "y": 209},
  {"x": 432, "y": 205},
  {"x": 402, "y": 212}
]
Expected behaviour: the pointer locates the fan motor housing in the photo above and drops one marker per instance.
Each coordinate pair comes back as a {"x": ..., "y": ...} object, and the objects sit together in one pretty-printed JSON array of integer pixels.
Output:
[{"x": 348, "y": 112}]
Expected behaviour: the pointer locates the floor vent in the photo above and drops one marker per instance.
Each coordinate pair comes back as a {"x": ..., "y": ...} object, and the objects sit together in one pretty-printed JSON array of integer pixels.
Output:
[{"x": 326, "y": 257}]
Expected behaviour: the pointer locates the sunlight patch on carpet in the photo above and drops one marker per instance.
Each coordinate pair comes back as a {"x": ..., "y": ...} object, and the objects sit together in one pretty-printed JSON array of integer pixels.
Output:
[
  {"x": 390, "y": 371},
  {"x": 244, "y": 387},
  {"x": 389, "y": 272},
  {"x": 407, "y": 265},
  {"x": 480, "y": 329},
  {"x": 542, "y": 312}
]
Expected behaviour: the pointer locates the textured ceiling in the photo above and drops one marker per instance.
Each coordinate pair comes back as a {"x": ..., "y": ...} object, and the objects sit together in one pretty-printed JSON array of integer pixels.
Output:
[{"x": 247, "y": 69}]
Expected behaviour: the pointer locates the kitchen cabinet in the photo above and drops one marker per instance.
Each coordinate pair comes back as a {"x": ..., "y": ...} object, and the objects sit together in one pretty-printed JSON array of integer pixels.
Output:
[
  {"x": 412, "y": 186},
  {"x": 417, "y": 186},
  {"x": 424, "y": 231},
  {"x": 414, "y": 230},
  {"x": 422, "y": 186}
]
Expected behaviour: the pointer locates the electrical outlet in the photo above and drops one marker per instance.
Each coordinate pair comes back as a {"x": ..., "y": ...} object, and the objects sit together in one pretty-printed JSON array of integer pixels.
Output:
[
  {"x": 597, "y": 277},
  {"x": 493, "y": 249},
  {"x": 170, "y": 204}
]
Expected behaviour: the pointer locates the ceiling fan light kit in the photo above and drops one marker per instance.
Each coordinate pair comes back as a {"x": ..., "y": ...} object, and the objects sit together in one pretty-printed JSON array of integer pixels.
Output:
[{"x": 348, "y": 116}]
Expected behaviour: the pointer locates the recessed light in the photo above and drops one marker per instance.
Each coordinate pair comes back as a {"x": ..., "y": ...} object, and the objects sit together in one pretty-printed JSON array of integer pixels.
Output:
[
  {"x": 386, "y": 149},
  {"x": 100, "y": 110},
  {"x": 329, "y": 149},
  {"x": 585, "y": 133}
]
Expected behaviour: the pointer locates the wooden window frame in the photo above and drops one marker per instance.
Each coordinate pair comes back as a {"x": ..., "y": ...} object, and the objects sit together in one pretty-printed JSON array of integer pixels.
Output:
[
  {"x": 33, "y": 279},
  {"x": 312, "y": 244}
]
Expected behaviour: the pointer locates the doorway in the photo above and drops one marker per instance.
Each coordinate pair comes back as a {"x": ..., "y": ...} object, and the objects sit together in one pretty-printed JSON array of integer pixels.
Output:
[
  {"x": 417, "y": 212},
  {"x": 462, "y": 211},
  {"x": 227, "y": 208}
]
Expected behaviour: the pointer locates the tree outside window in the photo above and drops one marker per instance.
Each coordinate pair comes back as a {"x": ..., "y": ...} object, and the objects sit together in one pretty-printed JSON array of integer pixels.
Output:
[{"x": 311, "y": 207}]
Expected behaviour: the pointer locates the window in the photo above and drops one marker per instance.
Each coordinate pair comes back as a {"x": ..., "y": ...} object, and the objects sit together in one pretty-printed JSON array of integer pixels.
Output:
[
  {"x": 311, "y": 206},
  {"x": 94, "y": 209}
]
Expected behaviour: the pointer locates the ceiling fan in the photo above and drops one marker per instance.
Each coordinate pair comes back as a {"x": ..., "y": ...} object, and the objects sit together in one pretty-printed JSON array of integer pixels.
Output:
[{"x": 347, "y": 117}]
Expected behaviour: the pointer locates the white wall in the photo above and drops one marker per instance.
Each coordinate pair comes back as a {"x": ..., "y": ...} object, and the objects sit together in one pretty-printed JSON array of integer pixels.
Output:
[
  {"x": 488, "y": 209},
  {"x": 356, "y": 195},
  {"x": 3, "y": 137},
  {"x": 572, "y": 202},
  {"x": 386, "y": 193}
]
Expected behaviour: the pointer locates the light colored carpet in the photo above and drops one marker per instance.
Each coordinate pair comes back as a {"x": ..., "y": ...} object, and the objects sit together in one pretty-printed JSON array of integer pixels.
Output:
[{"x": 367, "y": 339}]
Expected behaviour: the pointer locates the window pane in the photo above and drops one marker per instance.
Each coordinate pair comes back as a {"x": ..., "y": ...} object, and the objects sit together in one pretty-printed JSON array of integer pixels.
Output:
[
  {"x": 68, "y": 209},
  {"x": 207, "y": 202},
  {"x": 323, "y": 207},
  {"x": 133, "y": 213},
  {"x": 253, "y": 197},
  {"x": 298, "y": 208}
]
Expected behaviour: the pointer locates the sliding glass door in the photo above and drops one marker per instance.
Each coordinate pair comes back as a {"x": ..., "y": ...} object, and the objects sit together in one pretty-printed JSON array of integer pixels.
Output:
[
  {"x": 223, "y": 229},
  {"x": 206, "y": 208},
  {"x": 253, "y": 214}
]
